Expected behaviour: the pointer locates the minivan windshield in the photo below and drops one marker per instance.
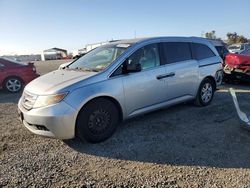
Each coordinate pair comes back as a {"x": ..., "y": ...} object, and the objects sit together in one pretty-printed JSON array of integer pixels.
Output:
[{"x": 99, "y": 58}]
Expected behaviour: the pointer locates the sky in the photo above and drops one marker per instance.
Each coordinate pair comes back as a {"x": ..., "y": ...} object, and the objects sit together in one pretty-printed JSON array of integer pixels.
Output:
[{"x": 30, "y": 26}]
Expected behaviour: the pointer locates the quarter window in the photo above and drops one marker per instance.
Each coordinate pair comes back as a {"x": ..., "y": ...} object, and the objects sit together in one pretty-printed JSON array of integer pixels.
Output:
[
  {"x": 176, "y": 52},
  {"x": 202, "y": 51},
  {"x": 147, "y": 56}
]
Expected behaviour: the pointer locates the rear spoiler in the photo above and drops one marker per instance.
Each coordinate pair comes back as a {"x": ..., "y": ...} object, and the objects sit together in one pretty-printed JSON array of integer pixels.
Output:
[{"x": 243, "y": 117}]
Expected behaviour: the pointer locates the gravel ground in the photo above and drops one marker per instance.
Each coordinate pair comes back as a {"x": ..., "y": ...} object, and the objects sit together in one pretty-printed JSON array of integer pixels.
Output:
[{"x": 181, "y": 146}]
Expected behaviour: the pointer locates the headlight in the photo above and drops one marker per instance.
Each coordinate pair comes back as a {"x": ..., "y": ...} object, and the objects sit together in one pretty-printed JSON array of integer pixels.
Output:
[{"x": 47, "y": 100}]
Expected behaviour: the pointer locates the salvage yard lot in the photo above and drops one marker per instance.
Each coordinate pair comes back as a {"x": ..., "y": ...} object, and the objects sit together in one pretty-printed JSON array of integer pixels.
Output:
[{"x": 181, "y": 146}]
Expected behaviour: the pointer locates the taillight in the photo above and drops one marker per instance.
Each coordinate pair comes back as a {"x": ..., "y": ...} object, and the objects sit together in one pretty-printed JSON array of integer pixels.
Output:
[{"x": 34, "y": 69}]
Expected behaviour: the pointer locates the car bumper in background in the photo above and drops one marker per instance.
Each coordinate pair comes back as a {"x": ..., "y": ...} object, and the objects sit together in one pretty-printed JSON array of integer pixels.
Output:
[{"x": 56, "y": 121}]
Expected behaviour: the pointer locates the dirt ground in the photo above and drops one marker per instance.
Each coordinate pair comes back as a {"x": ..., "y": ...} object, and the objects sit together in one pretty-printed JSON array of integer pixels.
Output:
[{"x": 181, "y": 146}]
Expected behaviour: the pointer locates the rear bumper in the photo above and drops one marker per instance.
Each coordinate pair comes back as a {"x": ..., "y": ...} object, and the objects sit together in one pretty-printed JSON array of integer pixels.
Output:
[{"x": 56, "y": 121}]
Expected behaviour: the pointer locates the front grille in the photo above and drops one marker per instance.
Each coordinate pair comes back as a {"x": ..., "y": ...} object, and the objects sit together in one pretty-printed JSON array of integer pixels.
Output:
[{"x": 28, "y": 100}]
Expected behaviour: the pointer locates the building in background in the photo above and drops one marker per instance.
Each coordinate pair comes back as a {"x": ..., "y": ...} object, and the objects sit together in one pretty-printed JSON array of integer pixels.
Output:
[
  {"x": 90, "y": 47},
  {"x": 54, "y": 54}
]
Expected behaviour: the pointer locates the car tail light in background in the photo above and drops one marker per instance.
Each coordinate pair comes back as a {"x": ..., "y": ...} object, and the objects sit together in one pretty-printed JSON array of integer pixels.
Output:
[
  {"x": 34, "y": 68},
  {"x": 32, "y": 65}
]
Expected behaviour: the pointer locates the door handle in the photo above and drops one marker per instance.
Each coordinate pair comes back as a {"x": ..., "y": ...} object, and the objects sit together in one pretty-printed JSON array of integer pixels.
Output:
[{"x": 165, "y": 75}]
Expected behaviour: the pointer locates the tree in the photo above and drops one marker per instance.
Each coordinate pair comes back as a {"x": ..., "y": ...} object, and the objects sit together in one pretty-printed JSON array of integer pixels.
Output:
[
  {"x": 234, "y": 38},
  {"x": 210, "y": 35},
  {"x": 242, "y": 39}
]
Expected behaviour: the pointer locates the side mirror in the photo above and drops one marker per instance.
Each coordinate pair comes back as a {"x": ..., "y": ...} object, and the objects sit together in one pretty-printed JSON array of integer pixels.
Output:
[{"x": 128, "y": 67}]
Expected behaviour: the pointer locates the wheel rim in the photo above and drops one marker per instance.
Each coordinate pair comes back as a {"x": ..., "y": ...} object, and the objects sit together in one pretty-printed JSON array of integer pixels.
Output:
[
  {"x": 99, "y": 121},
  {"x": 13, "y": 85},
  {"x": 206, "y": 92}
]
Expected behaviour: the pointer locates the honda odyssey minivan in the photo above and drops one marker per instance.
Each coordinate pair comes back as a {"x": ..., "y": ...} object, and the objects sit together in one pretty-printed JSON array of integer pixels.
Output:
[{"x": 117, "y": 81}]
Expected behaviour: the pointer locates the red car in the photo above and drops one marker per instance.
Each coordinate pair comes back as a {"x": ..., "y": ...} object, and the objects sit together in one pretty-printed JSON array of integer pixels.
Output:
[
  {"x": 238, "y": 65},
  {"x": 14, "y": 75}
]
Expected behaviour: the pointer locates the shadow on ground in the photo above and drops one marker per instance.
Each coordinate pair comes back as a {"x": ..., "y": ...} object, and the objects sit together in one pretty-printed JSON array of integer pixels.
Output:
[
  {"x": 180, "y": 135},
  {"x": 6, "y": 97}
]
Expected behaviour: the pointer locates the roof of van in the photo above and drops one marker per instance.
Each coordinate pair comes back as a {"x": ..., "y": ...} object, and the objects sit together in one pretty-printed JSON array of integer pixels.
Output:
[{"x": 136, "y": 40}]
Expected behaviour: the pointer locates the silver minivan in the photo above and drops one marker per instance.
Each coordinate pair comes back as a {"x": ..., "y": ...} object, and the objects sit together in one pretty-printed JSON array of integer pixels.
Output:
[{"x": 90, "y": 96}]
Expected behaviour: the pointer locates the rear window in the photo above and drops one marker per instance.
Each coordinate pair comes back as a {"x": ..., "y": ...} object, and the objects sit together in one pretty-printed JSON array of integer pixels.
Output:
[
  {"x": 221, "y": 50},
  {"x": 176, "y": 51},
  {"x": 202, "y": 51}
]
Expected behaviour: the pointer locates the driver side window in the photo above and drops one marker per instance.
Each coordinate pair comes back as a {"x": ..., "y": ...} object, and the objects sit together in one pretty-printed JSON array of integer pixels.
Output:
[{"x": 147, "y": 56}]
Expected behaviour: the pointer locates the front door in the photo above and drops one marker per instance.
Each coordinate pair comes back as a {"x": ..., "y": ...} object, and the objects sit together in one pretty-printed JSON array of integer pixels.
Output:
[{"x": 147, "y": 87}]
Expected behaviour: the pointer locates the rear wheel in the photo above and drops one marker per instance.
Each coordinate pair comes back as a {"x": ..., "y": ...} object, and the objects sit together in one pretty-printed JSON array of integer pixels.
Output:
[
  {"x": 13, "y": 84},
  {"x": 205, "y": 93},
  {"x": 97, "y": 121}
]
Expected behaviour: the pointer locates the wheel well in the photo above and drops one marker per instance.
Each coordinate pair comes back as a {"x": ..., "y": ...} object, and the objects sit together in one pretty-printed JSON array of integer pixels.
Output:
[
  {"x": 212, "y": 79},
  {"x": 114, "y": 101}
]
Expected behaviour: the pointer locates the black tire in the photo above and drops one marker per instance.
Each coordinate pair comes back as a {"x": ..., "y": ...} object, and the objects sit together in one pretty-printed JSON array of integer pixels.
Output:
[
  {"x": 202, "y": 98},
  {"x": 97, "y": 121},
  {"x": 17, "y": 84}
]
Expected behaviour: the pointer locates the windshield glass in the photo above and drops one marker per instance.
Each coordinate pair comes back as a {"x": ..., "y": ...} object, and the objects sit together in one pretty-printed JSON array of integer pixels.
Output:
[{"x": 99, "y": 58}]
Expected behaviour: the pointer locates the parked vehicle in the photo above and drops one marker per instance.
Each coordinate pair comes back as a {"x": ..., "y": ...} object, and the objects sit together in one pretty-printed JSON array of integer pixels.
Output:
[
  {"x": 119, "y": 81},
  {"x": 14, "y": 75},
  {"x": 244, "y": 119},
  {"x": 237, "y": 66},
  {"x": 238, "y": 48}
]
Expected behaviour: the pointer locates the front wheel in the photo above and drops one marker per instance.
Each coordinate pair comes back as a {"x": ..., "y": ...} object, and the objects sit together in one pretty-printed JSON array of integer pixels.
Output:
[
  {"x": 205, "y": 93},
  {"x": 97, "y": 121}
]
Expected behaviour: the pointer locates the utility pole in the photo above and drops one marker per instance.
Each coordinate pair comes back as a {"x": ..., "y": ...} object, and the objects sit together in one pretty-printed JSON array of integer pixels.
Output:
[{"x": 202, "y": 34}]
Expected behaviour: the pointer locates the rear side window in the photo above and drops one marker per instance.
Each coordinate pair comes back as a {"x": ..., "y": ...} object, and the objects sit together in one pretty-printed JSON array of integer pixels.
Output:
[
  {"x": 176, "y": 52},
  {"x": 202, "y": 51}
]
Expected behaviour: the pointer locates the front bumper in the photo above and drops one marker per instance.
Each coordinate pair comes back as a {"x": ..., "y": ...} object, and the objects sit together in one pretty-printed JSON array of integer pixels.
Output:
[{"x": 56, "y": 121}]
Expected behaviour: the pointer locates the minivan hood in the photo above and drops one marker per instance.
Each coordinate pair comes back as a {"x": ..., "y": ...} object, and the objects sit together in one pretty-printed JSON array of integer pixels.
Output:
[{"x": 54, "y": 81}]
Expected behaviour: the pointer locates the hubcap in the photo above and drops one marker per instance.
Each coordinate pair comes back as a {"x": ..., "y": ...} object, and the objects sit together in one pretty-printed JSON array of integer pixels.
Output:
[
  {"x": 99, "y": 121},
  {"x": 13, "y": 85},
  {"x": 207, "y": 92}
]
